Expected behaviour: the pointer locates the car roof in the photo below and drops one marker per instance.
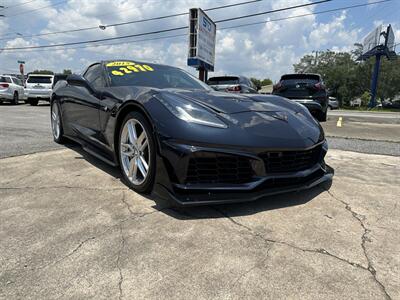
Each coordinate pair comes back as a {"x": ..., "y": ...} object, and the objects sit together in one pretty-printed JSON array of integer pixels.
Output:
[
  {"x": 41, "y": 75},
  {"x": 310, "y": 74}
]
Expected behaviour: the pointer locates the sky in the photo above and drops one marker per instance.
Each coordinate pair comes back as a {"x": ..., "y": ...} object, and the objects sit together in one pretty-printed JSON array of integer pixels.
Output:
[{"x": 265, "y": 50}]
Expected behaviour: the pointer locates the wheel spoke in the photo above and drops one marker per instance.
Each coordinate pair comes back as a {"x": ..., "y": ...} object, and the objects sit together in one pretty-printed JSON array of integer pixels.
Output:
[
  {"x": 54, "y": 116},
  {"x": 141, "y": 139},
  {"x": 133, "y": 168},
  {"x": 143, "y": 161},
  {"x": 142, "y": 167},
  {"x": 132, "y": 132},
  {"x": 143, "y": 146}
]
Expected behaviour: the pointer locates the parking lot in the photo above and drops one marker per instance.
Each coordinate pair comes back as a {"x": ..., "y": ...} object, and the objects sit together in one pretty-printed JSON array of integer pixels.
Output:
[{"x": 71, "y": 229}]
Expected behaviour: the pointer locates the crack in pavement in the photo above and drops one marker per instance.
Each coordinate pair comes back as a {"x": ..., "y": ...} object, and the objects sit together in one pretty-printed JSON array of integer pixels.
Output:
[
  {"x": 319, "y": 251},
  {"x": 127, "y": 204},
  {"x": 364, "y": 239},
  {"x": 322, "y": 251},
  {"x": 121, "y": 277},
  {"x": 80, "y": 245},
  {"x": 244, "y": 274}
]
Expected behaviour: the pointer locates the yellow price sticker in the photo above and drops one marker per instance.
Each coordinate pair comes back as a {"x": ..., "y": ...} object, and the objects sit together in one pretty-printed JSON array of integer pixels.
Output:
[
  {"x": 117, "y": 73},
  {"x": 129, "y": 69},
  {"x": 120, "y": 64}
]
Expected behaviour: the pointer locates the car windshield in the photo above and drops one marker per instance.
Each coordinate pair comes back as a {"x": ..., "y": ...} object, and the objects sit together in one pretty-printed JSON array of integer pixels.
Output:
[
  {"x": 2, "y": 79},
  {"x": 223, "y": 80},
  {"x": 128, "y": 73},
  {"x": 39, "y": 79}
]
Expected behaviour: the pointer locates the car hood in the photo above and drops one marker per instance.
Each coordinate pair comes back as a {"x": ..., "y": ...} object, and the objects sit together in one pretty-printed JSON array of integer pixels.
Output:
[
  {"x": 258, "y": 120},
  {"x": 255, "y": 120},
  {"x": 229, "y": 103}
]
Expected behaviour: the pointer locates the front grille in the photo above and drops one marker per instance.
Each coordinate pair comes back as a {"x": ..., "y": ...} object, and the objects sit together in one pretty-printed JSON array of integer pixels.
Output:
[
  {"x": 290, "y": 161},
  {"x": 212, "y": 168}
]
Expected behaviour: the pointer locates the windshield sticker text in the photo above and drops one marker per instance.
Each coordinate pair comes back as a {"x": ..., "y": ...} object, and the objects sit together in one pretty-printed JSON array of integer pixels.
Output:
[{"x": 131, "y": 68}]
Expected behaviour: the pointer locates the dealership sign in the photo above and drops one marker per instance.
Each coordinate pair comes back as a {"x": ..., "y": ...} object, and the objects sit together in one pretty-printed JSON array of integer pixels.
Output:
[
  {"x": 202, "y": 35},
  {"x": 372, "y": 40},
  {"x": 390, "y": 38}
]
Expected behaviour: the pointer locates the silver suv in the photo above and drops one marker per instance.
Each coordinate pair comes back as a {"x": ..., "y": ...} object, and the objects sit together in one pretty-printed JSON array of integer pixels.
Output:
[
  {"x": 11, "y": 89},
  {"x": 39, "y": 87}
]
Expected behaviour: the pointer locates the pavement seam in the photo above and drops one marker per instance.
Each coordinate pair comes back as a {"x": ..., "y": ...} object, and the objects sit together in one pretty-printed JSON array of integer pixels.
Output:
[
  {"x": 321, "y": 251},
  {"x": 361, "y": 139},
  {"x": 126, "y": 203},
  {"x": 364, "y": 239},
  {"x": 63, "y": 187},
  {"x": 244, "y": 274},
  {"x": 121, "y": 277},
  {"x": 80, "y": 245}
]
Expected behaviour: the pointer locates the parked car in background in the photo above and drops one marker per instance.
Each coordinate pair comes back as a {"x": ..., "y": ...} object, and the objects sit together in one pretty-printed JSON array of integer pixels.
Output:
[
  {"x": 333, "y": 103},
  {"x": 39, "y": 87},
  {"x": 11, "y": 89},
  {"x": 356, "y": 102},
  {"x": 232, "y": 84},
  {"x": 306, "y": 89},
  {"x": 395, "y": 103}
]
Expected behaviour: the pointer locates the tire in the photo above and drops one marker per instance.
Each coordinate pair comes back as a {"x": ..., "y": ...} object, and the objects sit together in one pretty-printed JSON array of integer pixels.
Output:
[
  {"x": 34, "y": 102},
  {"x": 15, "y": 99},
  {"x": 135, "y": 156},
  {"x": 26, "y": 101},
  {"x": 323, "y": 116},
  {"x": 56, "y": 123}
]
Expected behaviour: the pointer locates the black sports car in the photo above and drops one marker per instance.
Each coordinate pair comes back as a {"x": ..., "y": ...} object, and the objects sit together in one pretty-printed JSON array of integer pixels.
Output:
[{"x": 172, "y": 134}]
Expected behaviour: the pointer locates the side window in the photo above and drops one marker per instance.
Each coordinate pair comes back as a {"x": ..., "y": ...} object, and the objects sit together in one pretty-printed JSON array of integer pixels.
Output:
[
  {"x": 8, "y": 79},
  {"x": 94, "y": 76},
  {"x": 17, "y": 81}
]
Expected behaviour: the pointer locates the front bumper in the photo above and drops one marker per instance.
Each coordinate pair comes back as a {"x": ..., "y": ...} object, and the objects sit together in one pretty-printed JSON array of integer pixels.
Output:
[{"x": 263, "y": 183}]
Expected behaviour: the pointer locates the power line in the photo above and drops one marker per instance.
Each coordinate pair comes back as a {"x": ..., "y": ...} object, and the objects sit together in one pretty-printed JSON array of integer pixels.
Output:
[
  {"x": 19, "y": 4},
  {"x": 162, "y": 30},
  {"x": 135, "y": 21},
  {"x": 223, "y": 28},
  {"x": 36, "y": 9},
  {"x": 179, "y": 14}
]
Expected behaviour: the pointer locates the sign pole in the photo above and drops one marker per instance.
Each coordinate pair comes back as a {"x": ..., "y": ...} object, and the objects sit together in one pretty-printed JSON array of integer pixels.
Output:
[
  {"x": 374, "y": 83},
  {"x": 203, "y": 74}
]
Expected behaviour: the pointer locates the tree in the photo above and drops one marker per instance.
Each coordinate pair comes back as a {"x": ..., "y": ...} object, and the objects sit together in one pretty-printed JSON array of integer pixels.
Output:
[
  {"x": 259, "y": 83},
  {"x": 45, "y": 72},
  {"x": 67, "y": 72}
]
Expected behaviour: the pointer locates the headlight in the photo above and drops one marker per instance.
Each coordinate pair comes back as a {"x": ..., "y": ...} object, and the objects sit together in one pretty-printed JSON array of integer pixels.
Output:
[{"x": 190, "y": 112}]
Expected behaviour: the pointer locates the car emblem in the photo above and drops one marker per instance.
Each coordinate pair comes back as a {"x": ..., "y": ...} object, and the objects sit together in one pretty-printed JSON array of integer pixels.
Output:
[
  {"x": 280, "y": 116},
  {"x": 297, "y": 86}
]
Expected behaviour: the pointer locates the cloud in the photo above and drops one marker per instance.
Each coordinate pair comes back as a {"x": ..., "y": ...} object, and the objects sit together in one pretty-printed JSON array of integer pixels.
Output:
[{"x": 266, "y": 50}]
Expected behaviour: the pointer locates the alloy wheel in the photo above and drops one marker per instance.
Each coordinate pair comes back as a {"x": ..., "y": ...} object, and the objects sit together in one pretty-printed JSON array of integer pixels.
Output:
[
  {"x": 55, "y": 120},
  {"x": 135, "y": 151}
]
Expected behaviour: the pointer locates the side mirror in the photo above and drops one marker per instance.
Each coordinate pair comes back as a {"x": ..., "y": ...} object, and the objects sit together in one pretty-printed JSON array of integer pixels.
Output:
[{"x": 78, "y": 80}]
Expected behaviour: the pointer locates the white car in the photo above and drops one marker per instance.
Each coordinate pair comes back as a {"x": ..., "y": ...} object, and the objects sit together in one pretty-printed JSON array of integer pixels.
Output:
[
  {"x": 39, "y": 87},
  {"x": 11, "y": 89}
]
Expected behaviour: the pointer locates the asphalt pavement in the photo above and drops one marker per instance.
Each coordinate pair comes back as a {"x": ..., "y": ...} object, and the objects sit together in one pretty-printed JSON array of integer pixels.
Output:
[
  {"x": 25, "y": 129},
  {"x": 365, "y": 114}
]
